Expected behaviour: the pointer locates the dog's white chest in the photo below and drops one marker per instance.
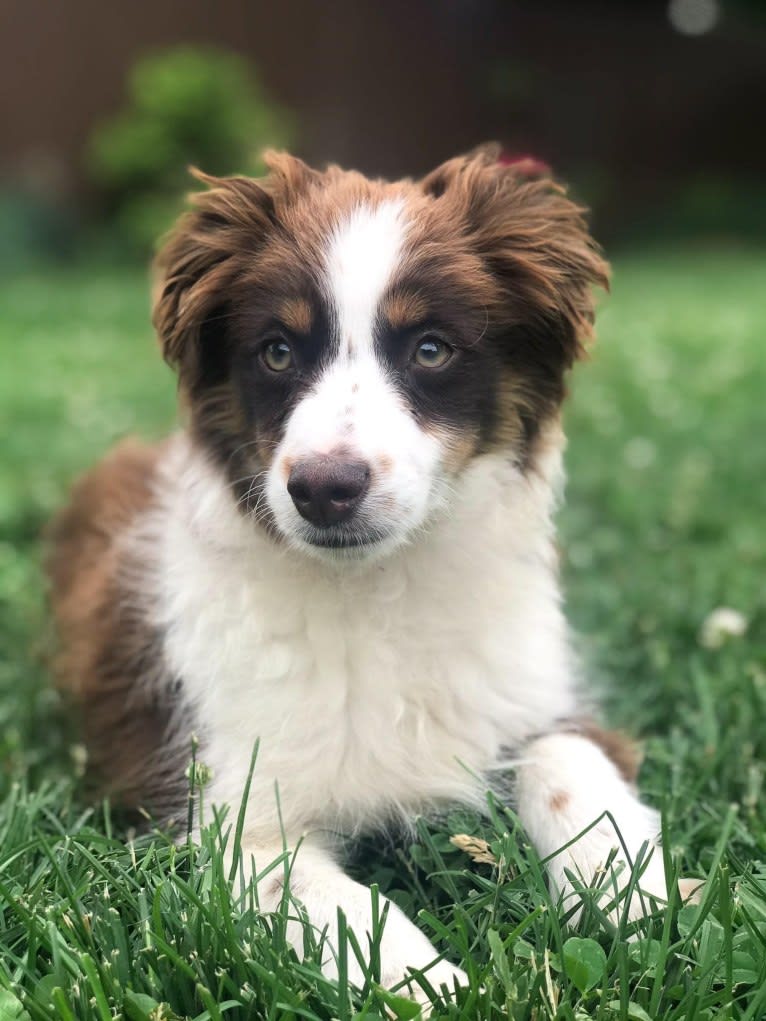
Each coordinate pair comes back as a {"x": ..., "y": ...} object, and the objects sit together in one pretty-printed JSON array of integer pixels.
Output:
[{"x": 369, "y": 691}]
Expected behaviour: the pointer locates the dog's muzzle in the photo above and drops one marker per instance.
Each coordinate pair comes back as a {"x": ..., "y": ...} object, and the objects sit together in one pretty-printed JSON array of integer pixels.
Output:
[{"x": 328, "y": 490}]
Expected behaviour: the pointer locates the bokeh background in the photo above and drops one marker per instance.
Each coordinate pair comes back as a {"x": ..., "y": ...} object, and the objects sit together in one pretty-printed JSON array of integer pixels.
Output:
[{"x": 652, "y": 109}]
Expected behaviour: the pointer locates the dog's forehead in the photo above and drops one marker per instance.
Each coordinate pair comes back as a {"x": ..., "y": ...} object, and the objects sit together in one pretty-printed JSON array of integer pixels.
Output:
[{"x": 372, "y": 248}]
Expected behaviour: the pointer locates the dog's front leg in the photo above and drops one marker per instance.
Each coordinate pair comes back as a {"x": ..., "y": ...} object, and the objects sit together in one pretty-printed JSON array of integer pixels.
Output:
[
  {"x": 317, "y": 885},
  {"x": 568, "y": 785}
]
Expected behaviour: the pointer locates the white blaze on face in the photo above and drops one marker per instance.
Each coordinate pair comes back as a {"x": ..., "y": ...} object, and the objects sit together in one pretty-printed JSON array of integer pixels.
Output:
[
  {"x": 362, "y": 257},
  {"x": 354, "y": 406}
]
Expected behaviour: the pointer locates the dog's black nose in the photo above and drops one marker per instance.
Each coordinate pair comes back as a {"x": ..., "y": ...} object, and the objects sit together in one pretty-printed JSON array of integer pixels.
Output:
[{"x": 327, "y": 490}]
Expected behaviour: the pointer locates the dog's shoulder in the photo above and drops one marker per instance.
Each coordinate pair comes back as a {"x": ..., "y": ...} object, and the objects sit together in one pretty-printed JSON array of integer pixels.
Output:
[
  {"x": 84, "y": 540},
  {"x": 103, "y": 502}
]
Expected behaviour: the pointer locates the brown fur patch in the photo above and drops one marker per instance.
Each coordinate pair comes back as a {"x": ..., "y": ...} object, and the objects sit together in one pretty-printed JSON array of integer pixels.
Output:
[
  {"x": 458, "y": 447},
  {"x": 84, "y": 554},
  {"x": 509, "y": 432},
  {"x": 618, "y": 747},
  {"x": 296, "y": 314},
  {"x": 384, "y": 464},
  {"x": 404, "y": 308},
  {"x": 559, "y": 801},
  {"x": 109, "y": 658}
]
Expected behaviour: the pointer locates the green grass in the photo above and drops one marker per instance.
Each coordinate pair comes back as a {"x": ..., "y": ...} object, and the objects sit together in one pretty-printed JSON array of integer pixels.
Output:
[{"x": 664, "y": 523}]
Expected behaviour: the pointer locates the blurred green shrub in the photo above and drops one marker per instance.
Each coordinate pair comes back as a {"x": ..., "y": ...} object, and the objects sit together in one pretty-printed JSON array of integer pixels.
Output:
[
  {"x": 34, "y": 229},
  {"x": 187, "y": 105},
  {"x": 704, "y": 208}
]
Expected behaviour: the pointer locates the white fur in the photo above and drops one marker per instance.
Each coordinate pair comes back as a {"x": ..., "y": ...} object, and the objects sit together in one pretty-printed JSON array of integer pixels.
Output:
[{"x": 362, "y": 255}]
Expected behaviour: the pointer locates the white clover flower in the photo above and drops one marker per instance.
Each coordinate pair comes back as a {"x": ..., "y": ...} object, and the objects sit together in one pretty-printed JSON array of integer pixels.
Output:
[{"x": 721, "y": 624}]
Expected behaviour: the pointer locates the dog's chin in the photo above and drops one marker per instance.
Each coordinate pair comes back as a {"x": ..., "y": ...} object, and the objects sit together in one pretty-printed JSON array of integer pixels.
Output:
[{"x": 345, "y": 545}]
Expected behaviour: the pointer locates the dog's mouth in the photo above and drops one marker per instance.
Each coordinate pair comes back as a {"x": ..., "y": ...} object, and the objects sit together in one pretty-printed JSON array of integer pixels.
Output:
[
  {"x": 341, "y": 541},
  {"x": 347, "y": 540}
]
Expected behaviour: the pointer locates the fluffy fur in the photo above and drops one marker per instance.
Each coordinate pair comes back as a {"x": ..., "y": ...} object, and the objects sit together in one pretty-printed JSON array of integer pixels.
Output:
[{"x": 348, "y": 553}]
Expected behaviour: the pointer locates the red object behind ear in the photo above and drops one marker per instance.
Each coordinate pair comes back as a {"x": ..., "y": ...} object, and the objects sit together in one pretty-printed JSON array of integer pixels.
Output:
[{"x": 524, "y": 164}]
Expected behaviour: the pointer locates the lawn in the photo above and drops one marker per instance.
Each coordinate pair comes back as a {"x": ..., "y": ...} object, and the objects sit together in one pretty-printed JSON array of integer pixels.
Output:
[{"x": 664, "y": 523}]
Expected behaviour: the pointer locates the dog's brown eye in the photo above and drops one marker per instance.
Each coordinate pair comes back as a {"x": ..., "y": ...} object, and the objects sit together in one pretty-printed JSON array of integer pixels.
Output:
[
  {"x": 278, "y": 356},
  {"x": 432, "y": 353}
]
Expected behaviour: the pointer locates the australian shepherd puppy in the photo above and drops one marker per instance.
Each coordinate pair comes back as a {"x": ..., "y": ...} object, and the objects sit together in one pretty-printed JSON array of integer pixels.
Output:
[{"x": 348, "y": 553}]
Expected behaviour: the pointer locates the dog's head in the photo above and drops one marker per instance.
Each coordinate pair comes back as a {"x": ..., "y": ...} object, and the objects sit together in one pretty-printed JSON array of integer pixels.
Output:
[{"x": 347, "y": 347}]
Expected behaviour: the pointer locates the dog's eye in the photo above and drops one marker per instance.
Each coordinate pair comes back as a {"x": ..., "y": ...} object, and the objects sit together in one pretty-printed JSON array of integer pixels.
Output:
[
  {"x": 278, "y": 356},
  {"x": 432, "y": 353}
]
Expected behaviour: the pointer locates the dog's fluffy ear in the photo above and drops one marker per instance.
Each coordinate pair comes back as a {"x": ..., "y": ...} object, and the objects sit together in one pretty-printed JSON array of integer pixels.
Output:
[
  {"x": 201, "y": 256},
  {"x": 534, "y": 240},
  {"x": 210, "y": 246}
]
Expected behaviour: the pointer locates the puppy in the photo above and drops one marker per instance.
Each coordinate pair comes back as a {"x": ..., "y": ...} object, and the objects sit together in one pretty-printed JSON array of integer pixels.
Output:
[{"x": 347, "y": 554}]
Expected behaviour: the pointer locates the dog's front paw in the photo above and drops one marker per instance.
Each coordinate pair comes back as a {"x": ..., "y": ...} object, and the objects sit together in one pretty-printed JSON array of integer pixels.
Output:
[
  {"x": 410, "y": 963},
  {"x": 634, "y": 896},
  {"x": 623, "y": 887},
  {"x": 440, "y": 976},
  {"x": 402, "y": 967},
  {"x": 406, "y": 954},
  {"x": 691, "y": 890}
]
